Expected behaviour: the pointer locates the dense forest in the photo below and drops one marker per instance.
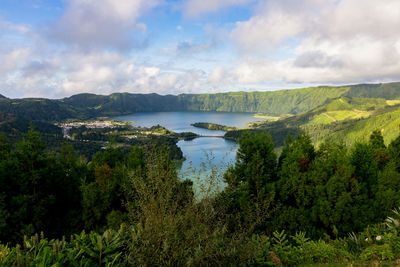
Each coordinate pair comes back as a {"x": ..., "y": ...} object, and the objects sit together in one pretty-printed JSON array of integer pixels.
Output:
[{"x": 309, "y": 205}]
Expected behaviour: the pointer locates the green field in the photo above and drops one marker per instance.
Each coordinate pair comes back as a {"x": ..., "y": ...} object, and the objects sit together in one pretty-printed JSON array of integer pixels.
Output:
[
  {"x": 345, "y": 118},
  {"x": 339, "y": 115}
]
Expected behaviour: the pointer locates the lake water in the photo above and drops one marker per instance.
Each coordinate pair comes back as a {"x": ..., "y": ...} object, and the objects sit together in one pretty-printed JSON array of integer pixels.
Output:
[{"x": 203, "y": 155}]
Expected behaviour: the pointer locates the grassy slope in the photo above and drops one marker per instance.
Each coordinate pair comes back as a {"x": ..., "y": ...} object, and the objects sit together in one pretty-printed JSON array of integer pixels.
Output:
[
  {"x": 355, "y": 120},
  {"x": 360, "y": 130},
  {"x": 346, "y": 108},
  {"x": 345, "y": 118}
]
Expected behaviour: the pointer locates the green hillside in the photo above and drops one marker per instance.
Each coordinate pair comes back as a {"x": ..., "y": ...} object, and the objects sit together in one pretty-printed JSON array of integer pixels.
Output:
[
  {"x": 355, "y": 122},
  {"x": 123, "y": 103},
  {"x": 381, "y": 90},
  {"x": 335, "y": 110},
  {"x": 358, "y": 129},
  {"x": 42, "y": 109},
  {"x": 346, "y": 108},
  {"x": 344, "y": 119},
  {"x": 271, "y": 103},
  {"x": 296, "y": 101}
]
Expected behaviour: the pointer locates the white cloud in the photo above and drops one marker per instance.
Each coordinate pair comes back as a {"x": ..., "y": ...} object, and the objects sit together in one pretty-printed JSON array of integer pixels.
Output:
[
  {"x": 217, "y": 76},
  {"x": 153, "y": 79},
  {"x": 329, "y": 42},
  {"x": 13, "y": 59},
  {"x": 101, "y": 23},
  {"x": 72, "y": 72},
  {"x": 195, "y": 8},
  {"x": 276, "y": 21},
  {"x": 350, "y": 18}
]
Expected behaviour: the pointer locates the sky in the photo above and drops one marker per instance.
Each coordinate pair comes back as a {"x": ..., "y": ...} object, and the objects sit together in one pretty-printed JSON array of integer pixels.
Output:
[{"x": 58, "y": 48}]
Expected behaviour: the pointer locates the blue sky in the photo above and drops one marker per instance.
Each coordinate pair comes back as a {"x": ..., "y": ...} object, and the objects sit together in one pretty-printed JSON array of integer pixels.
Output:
[{"x": 60, "y": 48}]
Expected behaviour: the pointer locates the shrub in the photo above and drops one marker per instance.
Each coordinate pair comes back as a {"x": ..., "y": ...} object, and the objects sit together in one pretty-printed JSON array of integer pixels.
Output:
[
  {"x": 377, "y": 252},
  {"x": 92, "y": 249}
]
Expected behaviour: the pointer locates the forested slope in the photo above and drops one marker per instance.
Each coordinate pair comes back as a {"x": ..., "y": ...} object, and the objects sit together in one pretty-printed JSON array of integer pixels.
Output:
[
  {"x": 42, "y": 109},
  {"x": 382, "y": 90},
  {"x": 294, "y": 101},
  {"x": 272, "y": 102}
]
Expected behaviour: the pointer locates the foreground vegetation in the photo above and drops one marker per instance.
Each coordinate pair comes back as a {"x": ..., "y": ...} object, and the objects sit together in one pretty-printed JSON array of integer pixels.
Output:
[
  {"x": 330, "y": 205},
  {"x": 378, "y": 246}
]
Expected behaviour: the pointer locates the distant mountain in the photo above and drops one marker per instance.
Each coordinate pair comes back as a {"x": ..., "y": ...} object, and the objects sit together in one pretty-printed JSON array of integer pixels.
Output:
[
  {"x": 42, "y": 109},
  {"x": 296, "y": 101},
  {"x": 2, "y": 96},
  {"x": 124, "y": 103},
  {"x": 273, "y": 103}
]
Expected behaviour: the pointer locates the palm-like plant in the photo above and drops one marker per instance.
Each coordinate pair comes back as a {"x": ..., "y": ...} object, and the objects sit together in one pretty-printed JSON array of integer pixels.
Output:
[{"x": 393, "y": 223}]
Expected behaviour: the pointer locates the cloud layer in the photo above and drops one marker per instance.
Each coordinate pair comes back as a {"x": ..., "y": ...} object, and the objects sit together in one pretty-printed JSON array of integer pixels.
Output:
[
  {"x": 108, "y": 23},
  {"x": 330, "y": 41},
  {"x": 93, "y": 47}
]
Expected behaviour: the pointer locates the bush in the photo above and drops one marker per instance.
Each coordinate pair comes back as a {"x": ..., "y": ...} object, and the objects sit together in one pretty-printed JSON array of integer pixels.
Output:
[
  {"x": 92, "y": 249},
  {"x": 377, "y": 252},
  {"x": 299, "y": 249}
]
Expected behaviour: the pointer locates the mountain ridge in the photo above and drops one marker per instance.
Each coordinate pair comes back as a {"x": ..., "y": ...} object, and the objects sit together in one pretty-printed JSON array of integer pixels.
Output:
[{"x": 294, "y": 101}]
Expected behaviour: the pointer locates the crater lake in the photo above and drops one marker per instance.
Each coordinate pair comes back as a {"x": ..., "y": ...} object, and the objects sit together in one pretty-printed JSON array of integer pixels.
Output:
[{"x": 205, "y": 156}]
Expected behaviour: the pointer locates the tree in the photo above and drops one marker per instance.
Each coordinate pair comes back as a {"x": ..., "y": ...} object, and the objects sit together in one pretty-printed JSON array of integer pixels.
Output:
[
  {"x": 103, "y": 193},
  {"x": 38, "y": 191},
  {"x": 335, "y": 190},
  {"x": 394, "y": 152},
  {"x": 255, "y": 163},
  {"x": 295, "y": 188},
  {"x": 5, "y": 147},
  {"x": 379, "y": 148},
  {"x": 250, "y": 189},
  {"x": 376, "y": 140}
]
